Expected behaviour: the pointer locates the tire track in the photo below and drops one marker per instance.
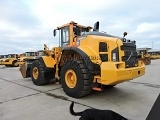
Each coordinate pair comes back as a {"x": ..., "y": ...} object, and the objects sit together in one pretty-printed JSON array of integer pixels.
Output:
[
  {"x": 39, "y": 92},
  {"x": 42, "y": 92}
]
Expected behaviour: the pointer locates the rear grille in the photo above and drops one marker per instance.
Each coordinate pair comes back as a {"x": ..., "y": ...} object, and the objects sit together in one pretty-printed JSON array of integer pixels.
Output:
[{"x": 130, "y": 55}]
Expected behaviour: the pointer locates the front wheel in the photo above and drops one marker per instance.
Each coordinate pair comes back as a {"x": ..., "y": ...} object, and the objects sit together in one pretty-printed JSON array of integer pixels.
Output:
[
  {"x": 76, "y": 79},
  {"x": 7, "y": 65},
  {"x": 38, "y": 74},
  {"x": 15, "y": 64}
]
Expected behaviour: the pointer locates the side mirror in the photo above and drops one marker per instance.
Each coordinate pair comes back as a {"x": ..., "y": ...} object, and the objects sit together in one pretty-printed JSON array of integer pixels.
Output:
[
  {"x": 54, "y": 32},
  {"x": 96, "y": 26}
]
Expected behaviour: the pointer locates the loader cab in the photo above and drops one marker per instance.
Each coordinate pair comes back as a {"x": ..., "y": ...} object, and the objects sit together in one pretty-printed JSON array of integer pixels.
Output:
[
  {"x": 42, "y": 53},
  {"x": 69, "y": 33},
  {"x": 142, "y": 52},
  {"x": 29, "y": 54},
  {"x": 5, "y": 56},
  {"x": 12, "y": 56}
]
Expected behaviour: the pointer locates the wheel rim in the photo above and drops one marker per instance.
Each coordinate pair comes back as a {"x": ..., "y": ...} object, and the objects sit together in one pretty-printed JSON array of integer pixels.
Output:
[
  {"x": 70, "y": 78},
  {"x": 15, "y": 64},
  {"x": 35, "y": 73}
]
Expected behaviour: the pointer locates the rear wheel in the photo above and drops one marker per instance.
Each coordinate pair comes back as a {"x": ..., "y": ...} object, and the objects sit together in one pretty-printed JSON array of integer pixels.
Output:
[
  {"x": 38, "y": 75},
  {"x": 76, "y": 79}
]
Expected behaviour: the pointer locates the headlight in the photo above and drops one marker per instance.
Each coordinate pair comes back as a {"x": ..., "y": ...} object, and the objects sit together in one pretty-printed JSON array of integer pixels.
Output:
[
  {"x": 124, "y": 39},
  {"x": 114, "y": 57}
]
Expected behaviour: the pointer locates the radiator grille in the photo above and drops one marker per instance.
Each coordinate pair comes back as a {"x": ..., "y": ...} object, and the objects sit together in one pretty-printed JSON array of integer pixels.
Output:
[{"x": 130, "y": 55}]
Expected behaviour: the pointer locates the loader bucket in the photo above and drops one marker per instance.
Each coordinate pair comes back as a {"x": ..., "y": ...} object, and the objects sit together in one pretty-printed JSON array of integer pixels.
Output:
[
  {"x": 23, "y": 70},
  {"x": 146, "y": 61}
]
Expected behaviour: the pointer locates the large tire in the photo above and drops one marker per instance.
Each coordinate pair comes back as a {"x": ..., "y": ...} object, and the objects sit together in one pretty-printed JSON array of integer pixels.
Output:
[
  {"x": 76, "y": 79},
  {"x": 7, "y": 65},
  {"x": 14, "y": 64},
  {"x": 38, "y": 75}
]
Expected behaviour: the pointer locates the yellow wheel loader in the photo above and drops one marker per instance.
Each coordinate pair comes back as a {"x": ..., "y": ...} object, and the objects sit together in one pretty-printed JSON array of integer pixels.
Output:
[
  {"x": 23, "y": 57},
  {"x": 2, "y": 59},
  {"x": 154, "y": 54},
  {"x": 10, "y": 60},
  {"x": 85, "y": 60},
  {"x": 144, "y": 55}
]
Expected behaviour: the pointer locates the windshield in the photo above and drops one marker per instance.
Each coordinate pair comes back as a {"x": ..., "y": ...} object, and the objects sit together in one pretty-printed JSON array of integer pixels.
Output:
[
  {"x": 29, "y": 54},
  {"x": 84, "y": 31},
  {"x": 41, "y": 53},
  {"x": 6, "y": 56},
  {"x": 10, "y": 56},
  {"x": 143, "y": 51},
  {"x": 64, "y": 36}
]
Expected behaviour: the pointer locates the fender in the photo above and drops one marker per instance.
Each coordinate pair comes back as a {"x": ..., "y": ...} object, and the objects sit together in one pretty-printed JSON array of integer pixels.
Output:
[
  {"x": 47, "y": 66},
  {"x": 94, "y": 68}
]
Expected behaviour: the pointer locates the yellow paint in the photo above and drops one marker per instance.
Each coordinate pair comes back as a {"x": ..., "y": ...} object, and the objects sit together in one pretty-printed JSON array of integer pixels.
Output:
[
  {"x": 111, "y": 72},
  {"x": 35, "y": 73},
  {"x": 49, "y": 61},
  {"x": 90, "y": 46},
  {"x": 110, "y": 75},
  {"x": 70, "y": 78}
]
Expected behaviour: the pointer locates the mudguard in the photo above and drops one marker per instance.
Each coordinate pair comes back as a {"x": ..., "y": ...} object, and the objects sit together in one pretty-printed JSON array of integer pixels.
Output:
[{"x": 91, "y": 66}]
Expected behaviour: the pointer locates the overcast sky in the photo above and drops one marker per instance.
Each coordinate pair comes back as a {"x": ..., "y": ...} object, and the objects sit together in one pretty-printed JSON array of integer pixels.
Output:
[{"x": 25, "y": 25}]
